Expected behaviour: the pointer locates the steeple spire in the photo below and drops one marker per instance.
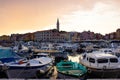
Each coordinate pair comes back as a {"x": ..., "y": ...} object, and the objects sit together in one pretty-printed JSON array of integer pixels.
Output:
[{"x": 58, "y": 25}]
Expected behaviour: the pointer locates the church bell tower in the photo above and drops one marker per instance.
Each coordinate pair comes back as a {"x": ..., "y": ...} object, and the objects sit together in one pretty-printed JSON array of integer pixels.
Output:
[{"x": 58, "y": 24}]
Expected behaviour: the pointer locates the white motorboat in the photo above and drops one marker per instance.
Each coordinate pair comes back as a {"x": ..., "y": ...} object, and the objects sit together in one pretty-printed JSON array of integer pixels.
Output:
[
  {"x": 27, "y": 68},
  {"x": 101, "y": 63}
]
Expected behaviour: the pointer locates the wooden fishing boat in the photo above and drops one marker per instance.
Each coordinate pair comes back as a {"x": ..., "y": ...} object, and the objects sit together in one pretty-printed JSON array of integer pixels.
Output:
[{"x": 69, "y": 69}]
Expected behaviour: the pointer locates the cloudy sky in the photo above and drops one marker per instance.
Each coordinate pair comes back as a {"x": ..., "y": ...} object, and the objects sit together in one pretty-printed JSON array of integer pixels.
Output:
[{"x": 22, "y": 16}]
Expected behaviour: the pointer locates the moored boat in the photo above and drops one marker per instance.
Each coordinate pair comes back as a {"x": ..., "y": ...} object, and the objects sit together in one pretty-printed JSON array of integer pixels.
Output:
[
  {"x": 101, "y": 64},
  {"x": 27, "y": 68},
  {"x": 6, "y": 55},
  {"x": 69, "y": 69}
]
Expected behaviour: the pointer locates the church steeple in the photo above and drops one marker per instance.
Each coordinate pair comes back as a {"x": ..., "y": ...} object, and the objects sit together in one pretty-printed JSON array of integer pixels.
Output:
[{"x": 58, "y": 25}]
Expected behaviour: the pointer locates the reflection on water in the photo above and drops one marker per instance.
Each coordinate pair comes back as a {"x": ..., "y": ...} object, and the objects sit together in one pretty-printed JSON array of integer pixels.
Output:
[{"x": 74, "y": 58}]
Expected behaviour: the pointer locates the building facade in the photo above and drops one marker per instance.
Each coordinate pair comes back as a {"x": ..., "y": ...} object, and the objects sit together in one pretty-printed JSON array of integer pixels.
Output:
[
  {"x": 22, "y": 37},
  {"x": 87, "y": 35},
  {"x": 118, "y": 34},
  {"x": 49, "y": 35}
]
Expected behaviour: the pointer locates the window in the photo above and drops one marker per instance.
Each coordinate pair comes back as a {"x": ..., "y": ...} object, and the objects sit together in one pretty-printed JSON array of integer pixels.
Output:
[
  {"x": 107, "y": 51},
  {"x": 113, "y": 60},
  {"x": 84, "y": 56},
  {"x": 91, "y": 60},
  {"x": 102, "y": 60},
  {"x": 87, "y": 59}
]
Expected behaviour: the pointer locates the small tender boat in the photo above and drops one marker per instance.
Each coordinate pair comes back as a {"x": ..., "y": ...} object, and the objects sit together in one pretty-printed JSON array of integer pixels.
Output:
[{"x": 69, "y": 69}]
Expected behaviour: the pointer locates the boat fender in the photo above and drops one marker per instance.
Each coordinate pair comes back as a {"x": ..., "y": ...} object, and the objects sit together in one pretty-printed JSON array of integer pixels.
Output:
[
  {"x": 41, "y": 71},
  {"x": 28, "y": 64},
  {"x": 104, "y": 67},
  {"x": 0, "y": 66},
  {"x": 0, "y": 62},
  {"x": 4, "y": 67},
  {"x": 89, "y": 71}
]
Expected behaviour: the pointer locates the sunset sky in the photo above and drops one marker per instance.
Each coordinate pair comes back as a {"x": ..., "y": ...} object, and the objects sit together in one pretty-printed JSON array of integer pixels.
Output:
[{"x": 22, "y": 16}]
